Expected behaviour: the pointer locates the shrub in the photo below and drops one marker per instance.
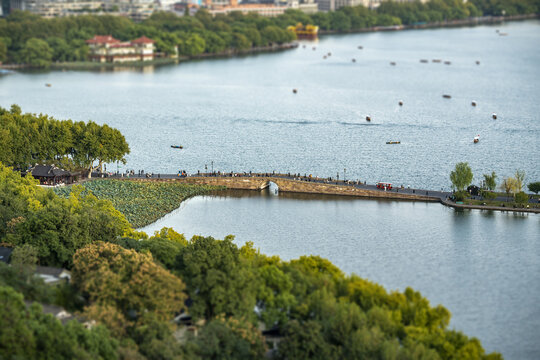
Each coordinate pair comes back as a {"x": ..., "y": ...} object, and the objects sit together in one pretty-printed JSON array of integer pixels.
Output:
[{"x": 522, "y": 198}]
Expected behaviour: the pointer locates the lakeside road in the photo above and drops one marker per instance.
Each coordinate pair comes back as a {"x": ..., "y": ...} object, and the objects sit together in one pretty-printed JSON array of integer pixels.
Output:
[{"x": 316, "y": 185}]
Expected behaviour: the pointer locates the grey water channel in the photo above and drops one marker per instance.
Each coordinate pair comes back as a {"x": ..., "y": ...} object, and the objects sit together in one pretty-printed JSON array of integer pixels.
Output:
[{"x": 240, "y": 114}]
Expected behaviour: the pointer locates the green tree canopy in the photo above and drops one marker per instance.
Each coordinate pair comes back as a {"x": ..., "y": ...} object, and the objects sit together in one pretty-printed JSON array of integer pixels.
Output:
[
  {"x": 123, "y": 285},
  {"x": 534, "y": 187},
  {"x": 37, "y": 53},
  {"x": 218, "y": 280},
  {"x": 490, "y": 181},
  {"x": 461, "y": 177},
  {"x": 29, "y": 139},
  {"x": 27, "y": 333}
]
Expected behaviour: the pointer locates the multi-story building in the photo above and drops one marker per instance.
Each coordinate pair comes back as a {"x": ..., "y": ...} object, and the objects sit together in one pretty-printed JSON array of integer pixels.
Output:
[
  {"x": 108, "y": 49},
  {"x": 135, "y": 9},
  {"x": 56, "y": 8},
  {"x": 331, "y": 5},
  {"x": 226, "y": 6}
]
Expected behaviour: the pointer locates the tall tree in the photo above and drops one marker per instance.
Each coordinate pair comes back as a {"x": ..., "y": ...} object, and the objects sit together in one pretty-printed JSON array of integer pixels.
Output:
[
  {"x": 490, "y": 181},
  {"x": 509, "y": 185},
  {"x": 37, "y": 53},
  {"x": 126, "y": 285},
  {"x": 534, "y": 187},
  {"x": 462, "y": 176},
  {"x": 218, "y": 280},
  {"x": 520, "y": 178}
]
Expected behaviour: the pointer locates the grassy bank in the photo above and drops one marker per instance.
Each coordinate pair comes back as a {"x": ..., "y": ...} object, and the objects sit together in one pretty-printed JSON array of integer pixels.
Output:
[
  {"x": 498, "y": 203},
  {"x": 142, "y": 203}
]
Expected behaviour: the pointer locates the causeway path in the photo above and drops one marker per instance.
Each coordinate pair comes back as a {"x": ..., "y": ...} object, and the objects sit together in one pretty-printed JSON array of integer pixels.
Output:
[{"x": 297, "y": 183}]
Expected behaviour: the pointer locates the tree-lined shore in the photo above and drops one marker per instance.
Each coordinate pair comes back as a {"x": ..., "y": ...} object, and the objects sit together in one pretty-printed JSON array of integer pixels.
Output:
[
  {"x": 34, "y": 41},
  {"x": 27, "y": 139}
]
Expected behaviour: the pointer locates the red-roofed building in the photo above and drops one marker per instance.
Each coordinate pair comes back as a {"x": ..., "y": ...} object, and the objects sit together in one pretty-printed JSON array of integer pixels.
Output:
[{"x": 105, "y": 48}]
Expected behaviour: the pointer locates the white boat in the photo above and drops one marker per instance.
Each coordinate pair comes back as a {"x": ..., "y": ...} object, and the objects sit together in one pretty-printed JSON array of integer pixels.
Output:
[{"x": 476, "y": 139}]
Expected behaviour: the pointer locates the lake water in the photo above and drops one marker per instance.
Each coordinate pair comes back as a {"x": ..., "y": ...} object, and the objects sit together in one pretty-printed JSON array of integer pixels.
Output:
[{"x": 240, "y": 114}]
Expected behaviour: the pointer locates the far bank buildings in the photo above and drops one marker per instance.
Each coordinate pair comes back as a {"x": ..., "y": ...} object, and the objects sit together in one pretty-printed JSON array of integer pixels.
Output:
[{"x": 139, "y": 10}]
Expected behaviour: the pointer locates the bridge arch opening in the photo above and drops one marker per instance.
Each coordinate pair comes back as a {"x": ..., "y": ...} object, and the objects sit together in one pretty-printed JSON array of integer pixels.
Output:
[{"x": 273, "y": 188}]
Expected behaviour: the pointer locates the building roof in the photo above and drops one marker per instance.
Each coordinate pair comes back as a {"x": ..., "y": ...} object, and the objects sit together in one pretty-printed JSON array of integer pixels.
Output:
[
  {"x": 5, "y": 253},
  {"x": 48, "y": 171},
  {"x": 52, "y": 274},
  {"x": 56, "y": 311},
  {"x": 142, "y": 40},
  {"x": 102, "y": 39}
]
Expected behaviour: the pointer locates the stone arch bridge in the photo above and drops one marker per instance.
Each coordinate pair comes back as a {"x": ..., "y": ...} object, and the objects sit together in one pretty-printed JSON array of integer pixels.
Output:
[{"x": 306, "y": 185}]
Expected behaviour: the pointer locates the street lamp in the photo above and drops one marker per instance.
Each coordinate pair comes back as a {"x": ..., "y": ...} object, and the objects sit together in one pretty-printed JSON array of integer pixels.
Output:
[
  {"x": 206, "y": 168},
  {"x": 344, "y": 171},
  {"x": 212, "y": 166}
]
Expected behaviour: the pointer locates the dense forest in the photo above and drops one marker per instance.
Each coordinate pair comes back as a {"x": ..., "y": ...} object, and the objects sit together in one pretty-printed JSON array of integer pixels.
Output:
[
  {"x": 133, "y": 285},
  {"x": 29, "y": 39},
  {"x": 27, "y": 139}
]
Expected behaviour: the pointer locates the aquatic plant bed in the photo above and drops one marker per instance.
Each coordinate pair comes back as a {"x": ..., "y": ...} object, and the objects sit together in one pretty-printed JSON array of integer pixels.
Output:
[{"x": 141, "y": 202}]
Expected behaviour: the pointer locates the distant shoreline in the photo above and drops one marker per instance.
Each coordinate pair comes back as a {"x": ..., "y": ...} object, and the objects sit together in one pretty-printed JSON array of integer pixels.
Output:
[
  {"x": 439, "y": 24},
  {"x": 88, "y": 65},
  {"x": 231, "y": 53}
]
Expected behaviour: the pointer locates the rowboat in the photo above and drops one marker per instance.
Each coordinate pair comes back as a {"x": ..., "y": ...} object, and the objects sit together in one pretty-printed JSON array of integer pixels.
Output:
[
  {"x": 393, "y": 142},
  {"x": 177, "y": 146}
]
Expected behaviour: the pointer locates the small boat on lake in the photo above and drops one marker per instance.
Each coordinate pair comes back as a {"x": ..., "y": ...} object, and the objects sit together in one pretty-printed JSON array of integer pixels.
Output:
[
  {"x": 447, "y": 63},
  {"x": 476, "y": 139},
  {"x": 360, "y": 47},
  {"x": 423, "y": 61},
  {"x": 393, "y": 142},
  {"x": 393, "y": 63},
  {"x": 177, "y": 146},
  {"x": 368, "y": 118},
  {"x": 436, "y": 60},
  {"x": 494, "y": 116},
  {"x": 294, "y": 91},
  {"x": 473, "y": 103},
  {"x": 446, "y": 96},
  {"x": 48, "y": 85},
  {"x": 400, "y": 103},
  {"x": 353, "y": 60}
]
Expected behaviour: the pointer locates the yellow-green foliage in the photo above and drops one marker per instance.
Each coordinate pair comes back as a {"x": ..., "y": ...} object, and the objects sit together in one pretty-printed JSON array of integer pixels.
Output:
[{"x": 142, "y": 203}]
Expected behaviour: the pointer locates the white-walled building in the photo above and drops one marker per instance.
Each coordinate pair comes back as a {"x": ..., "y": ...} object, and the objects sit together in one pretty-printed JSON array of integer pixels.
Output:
[{"x": 108, "y": 49}]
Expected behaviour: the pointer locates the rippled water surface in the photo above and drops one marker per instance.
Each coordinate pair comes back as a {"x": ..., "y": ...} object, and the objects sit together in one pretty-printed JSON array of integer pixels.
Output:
[
  {"x": 241, "y": 113},
  {"x": 483, "y": 266}
]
